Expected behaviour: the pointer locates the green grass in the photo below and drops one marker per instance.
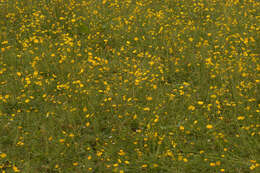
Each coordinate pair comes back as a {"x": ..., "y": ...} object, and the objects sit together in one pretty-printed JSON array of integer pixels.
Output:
[{"x": 129, "y": 86}]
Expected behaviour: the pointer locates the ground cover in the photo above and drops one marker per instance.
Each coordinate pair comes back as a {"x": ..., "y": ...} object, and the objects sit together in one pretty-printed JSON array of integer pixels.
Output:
[{"x": 129, "y": 86}]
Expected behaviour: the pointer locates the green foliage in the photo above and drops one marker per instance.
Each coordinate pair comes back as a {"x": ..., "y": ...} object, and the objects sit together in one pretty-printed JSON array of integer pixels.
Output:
[{"x": 129, "y": 86}]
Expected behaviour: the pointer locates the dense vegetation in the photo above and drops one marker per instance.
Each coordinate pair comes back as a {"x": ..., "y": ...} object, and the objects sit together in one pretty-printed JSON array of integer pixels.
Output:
[{"x": 129, "y": 86}]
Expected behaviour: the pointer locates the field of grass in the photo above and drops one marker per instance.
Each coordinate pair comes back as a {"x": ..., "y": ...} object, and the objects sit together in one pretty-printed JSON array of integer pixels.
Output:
[{"x": 129, "y": 86}]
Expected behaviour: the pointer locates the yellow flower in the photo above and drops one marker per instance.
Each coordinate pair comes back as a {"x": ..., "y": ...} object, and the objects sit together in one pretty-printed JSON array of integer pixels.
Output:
[
  {"x": 146, "y": 109},
  {"x": 200, "y": 102},
  {"x": 16, "y": 169},
  {"x": 191, "y": 107},
  {"x": 99, "y": 153},
  {"x": 218, "y": 163},
  {"x": 149, "y": 98},
  {"x": 155, "y": 165},
  {"x": 209, "y": 126},
  {"x": 252, "y": 167},
  {"x": 144, "y": 166},
  {"x": 36, "y": 41},
  {"x": 213, "y": 96},
  {"x": 5, "y": 42},
  {"x": 3, "y": 155},
  {"x": 212, "y": 164},
  {"x": 75, "y": 164},
  {"x": 19, "y": 74},
  {"x": 240, "y": 118}
]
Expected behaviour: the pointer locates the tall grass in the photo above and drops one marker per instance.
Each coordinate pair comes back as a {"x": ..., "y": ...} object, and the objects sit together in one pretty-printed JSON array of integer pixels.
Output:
[{"x": 129, "y": 86}]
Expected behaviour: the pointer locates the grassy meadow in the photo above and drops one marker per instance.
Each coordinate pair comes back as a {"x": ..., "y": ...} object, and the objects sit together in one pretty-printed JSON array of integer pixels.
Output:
[{"x": 128, "y": 86}]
